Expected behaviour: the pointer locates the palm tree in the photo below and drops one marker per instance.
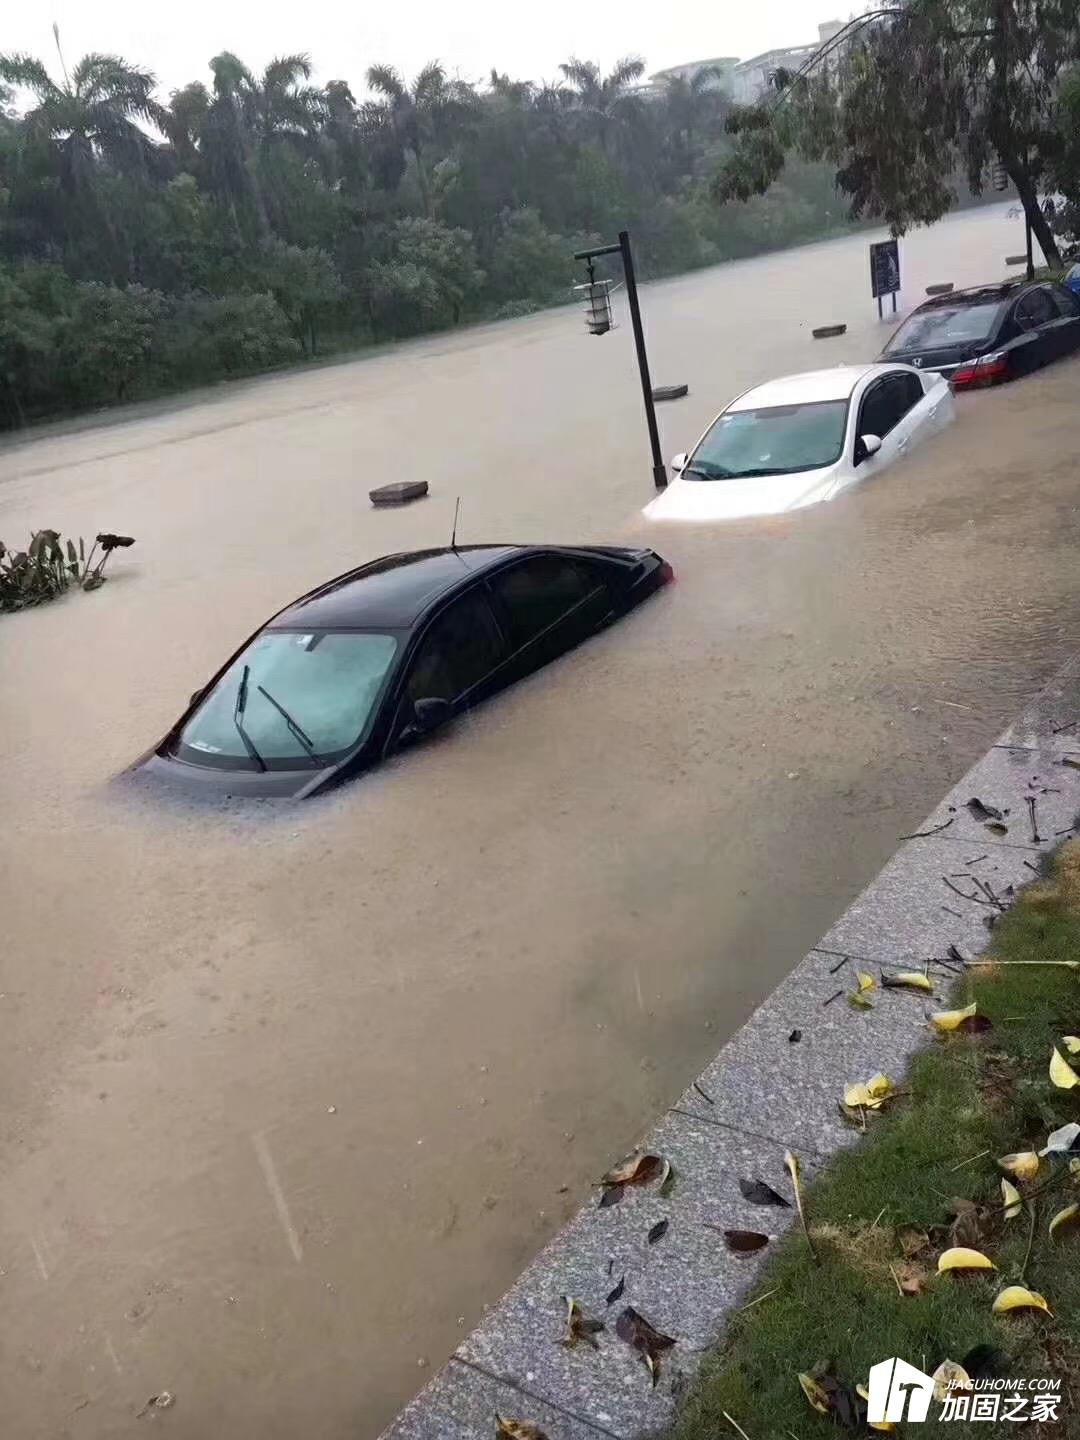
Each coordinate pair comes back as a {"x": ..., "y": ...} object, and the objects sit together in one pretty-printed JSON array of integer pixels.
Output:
[
  {"x": 606, "y": 103},
  {"x": 92, "y": 116},
  {"x": 248, "y": 118},
  {"x": 415, "y": 120},
  {"x": 690, "y": 105}
]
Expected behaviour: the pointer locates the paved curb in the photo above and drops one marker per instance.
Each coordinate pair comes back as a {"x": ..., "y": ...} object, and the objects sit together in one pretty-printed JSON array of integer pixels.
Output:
[{"x": 761, "y": 1095}]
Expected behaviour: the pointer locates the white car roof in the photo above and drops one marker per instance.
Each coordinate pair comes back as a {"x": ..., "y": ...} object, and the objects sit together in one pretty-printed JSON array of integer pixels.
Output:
[{"x": 812, "y": 385}]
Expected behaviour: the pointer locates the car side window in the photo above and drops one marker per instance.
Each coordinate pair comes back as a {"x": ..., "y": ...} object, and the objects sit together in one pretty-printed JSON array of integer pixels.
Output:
[
  {"x": 1034, "y": 309},
  {"x": 1068, "y": 306},
  {"x": 877, "y": 414},
  {"x": 908, "y": 391},
  {"x": 461, "y": 647},
  {"x": 538, "y": 592}
]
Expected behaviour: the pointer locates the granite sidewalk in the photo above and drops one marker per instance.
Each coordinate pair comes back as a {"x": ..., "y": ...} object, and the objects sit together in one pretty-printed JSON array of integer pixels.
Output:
[{"x": 764, "y": 1093}]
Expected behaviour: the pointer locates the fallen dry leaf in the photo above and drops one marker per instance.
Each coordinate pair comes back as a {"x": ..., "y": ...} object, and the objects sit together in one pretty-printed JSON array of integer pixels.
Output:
[
  {"x": 617, "y": 1293},
  {"x": 864, "y": 981},
  {"x": 1011, "y": 1199},
  {"x": 982, "y": 812},
  {"x": 649, "y": 1342},
  {"x": 949, "y": 1377},
  {"x": 1018, "y": 1297},
  {"x": 912, "y": 1240},
  {"x": 1062, "y": 1139},
  {"x": 1062, "y": 1073},
  {"x": 658, "y": 1231},
  {"x": 974, "y": 1025},
  {"x": 909, "y": 1277},
  {"x": 745, "y": 1242},
  {"x": 946, "y": 1020},
  {"x": 1023, "y": 1165},
  {"x": 1065, "y": 1223},
  {"x": 885, "y": 1427},
  {"x": 579, "y": 1327},
  {"x": 636, "y": 1169},
  {"x": 816, "y": 1396},
  {"x": 508, "y": 1429},
  {"x": 758, "y": 1193},
  {"x": 858, "y": 1001},
  {"x": 791, "y": 1164},
  {"x": 960, "y": 1257},
  {"x": 966, "y": 1230},
  {"x": 907, "y": 980},
  {"x": 871, "y": 1095}
]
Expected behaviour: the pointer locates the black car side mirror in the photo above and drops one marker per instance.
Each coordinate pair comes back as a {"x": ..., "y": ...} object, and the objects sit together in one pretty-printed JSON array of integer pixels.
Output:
[{"x": 428, "y": 714}]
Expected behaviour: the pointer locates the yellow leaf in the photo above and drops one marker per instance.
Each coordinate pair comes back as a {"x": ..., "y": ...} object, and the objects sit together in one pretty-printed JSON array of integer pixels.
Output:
[
  {"x": 1072, "y": 1044},
  {"x": 961, "y": 1258},
  {"x": 1061, "y": 1072},
  {"x": 865, "y": 982},
  {"x": 856, "y": 1095},
  {"x": 1011, "y": 1197},
  {"x": 913, "y": 979},
  {"x": 858, "y": 1001},
  {"x": 871, "y": 1095},
  {"x": 1074, "y": 1168},
  {"x": 507, "y": 1429},
  {"x": 1018, "y": 1297},
  {"x": 815, "y": 1394},
  {"x": 945, "y": 1020},
  {"x": 1064, "y": 1222},
  {"x": 948, "y": 1378},
  {"x": 879, "y": 1085},
  {"x": 885, "y": 1426},
  {"x": 1023, "y": 1165}
]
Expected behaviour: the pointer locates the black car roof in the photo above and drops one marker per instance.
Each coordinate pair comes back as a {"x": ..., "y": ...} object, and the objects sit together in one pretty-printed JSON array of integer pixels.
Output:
[
  {"x": 976, "y": 295},
  {"x": 392, "y": 592}
]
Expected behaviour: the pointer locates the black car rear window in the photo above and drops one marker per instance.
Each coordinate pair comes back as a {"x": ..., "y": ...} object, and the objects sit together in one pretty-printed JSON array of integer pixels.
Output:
[{"x": 946, "y": 326}]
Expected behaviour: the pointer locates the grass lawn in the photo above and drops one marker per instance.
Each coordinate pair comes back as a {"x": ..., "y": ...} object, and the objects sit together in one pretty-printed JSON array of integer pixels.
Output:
[{"x": 983, "y": 1095}]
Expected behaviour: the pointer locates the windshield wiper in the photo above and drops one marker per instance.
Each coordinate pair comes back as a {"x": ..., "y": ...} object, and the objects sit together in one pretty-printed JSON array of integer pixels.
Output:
[
  {"x": 238, "y": 711},
  {"x": 714, "y": 472},
  {"x": 301, "y": 735}
]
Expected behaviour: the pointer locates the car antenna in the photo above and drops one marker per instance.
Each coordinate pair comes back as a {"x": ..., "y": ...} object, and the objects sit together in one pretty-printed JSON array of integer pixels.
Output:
[{"x": 453, "y": 533}]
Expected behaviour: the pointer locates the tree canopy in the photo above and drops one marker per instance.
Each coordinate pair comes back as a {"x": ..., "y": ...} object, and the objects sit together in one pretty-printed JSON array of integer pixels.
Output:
[
  {"x": 915, "y": 92},
  {"x": 250, "y": 219}
]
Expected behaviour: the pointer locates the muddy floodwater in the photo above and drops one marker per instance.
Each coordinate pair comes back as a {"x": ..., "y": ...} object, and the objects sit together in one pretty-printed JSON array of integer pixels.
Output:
[{"x": 289, "y": 1093}]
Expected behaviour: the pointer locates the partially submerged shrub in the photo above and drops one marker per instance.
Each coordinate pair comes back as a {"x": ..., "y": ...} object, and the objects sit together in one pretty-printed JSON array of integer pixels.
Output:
[{"x": 46, "y": 568}]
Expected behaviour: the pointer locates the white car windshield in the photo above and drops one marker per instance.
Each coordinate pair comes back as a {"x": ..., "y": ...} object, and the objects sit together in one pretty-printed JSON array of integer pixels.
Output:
[
  {"x": 779, "y": 440},
  {"x": 290, "y": 699}
]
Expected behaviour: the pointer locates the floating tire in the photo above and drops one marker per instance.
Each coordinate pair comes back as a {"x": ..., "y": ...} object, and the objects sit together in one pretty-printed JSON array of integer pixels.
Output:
[
  {"x": 670, "y": 392},
  {"x": 827, "y": 332},
  {"x": 400, "y": 492},
  {"x": 946, "y": 288}
]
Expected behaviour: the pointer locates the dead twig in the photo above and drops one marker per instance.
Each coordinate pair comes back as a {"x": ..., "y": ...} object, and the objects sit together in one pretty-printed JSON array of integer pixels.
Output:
[
  {"x": 975, "y": 899},
  {"x": 975, "y": 860},
  {"x": 757, "y": 1300},
  {"x": 972, "y": 1160},
  {"x": 839, "y": 965},
  {"x": 835, "y": 996},
  {"x": 1036, "y": 838},
  {"x": 896, "y": 1278},
  {"x": 735, "y": 1425},
  {"x": 950, "y": 911},
  {"x": 934, "y": 830}
]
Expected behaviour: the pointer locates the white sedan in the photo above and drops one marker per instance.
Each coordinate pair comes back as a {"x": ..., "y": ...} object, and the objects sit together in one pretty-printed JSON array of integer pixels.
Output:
[{"x": 806, "y": 438}]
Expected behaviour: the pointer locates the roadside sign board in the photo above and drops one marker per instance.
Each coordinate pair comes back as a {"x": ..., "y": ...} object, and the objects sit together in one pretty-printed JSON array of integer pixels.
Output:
[{"x": 884, "y": 268}]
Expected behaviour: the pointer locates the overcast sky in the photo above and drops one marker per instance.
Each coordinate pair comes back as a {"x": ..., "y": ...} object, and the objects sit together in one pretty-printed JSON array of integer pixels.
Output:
[{"x": 469, "y": 37}]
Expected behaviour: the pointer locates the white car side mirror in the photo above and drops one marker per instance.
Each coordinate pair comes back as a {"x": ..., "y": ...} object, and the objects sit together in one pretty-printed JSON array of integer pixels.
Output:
[
  {"x": 678, "y": 462},
  {"x": 871, "y": 444}
]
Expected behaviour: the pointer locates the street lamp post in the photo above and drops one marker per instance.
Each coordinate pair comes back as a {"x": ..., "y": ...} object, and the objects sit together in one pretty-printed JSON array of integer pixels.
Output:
[{"x": 599, "y": 322}]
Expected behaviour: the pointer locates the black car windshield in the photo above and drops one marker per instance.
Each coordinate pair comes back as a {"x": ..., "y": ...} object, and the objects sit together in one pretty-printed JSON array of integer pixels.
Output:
[
  {"x": 325, "y": 683},
  {"x": 944, "y": 327},
  {"x": 778, "y": 440}
]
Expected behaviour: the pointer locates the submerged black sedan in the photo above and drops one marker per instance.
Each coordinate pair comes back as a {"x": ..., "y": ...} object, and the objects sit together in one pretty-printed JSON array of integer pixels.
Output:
[
  {"x": 371, "y": 662},
  {"x": 989, "y": 334}
]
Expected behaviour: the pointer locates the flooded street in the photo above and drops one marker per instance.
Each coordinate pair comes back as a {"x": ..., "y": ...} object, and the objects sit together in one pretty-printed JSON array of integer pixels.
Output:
[{"x": 291, "y": 1092}]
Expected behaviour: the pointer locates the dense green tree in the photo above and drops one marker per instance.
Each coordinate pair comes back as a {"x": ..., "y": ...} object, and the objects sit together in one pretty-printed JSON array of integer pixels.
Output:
[
  {"x": 915, "y": 92},
  {"x": 256, "y": 218}
]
